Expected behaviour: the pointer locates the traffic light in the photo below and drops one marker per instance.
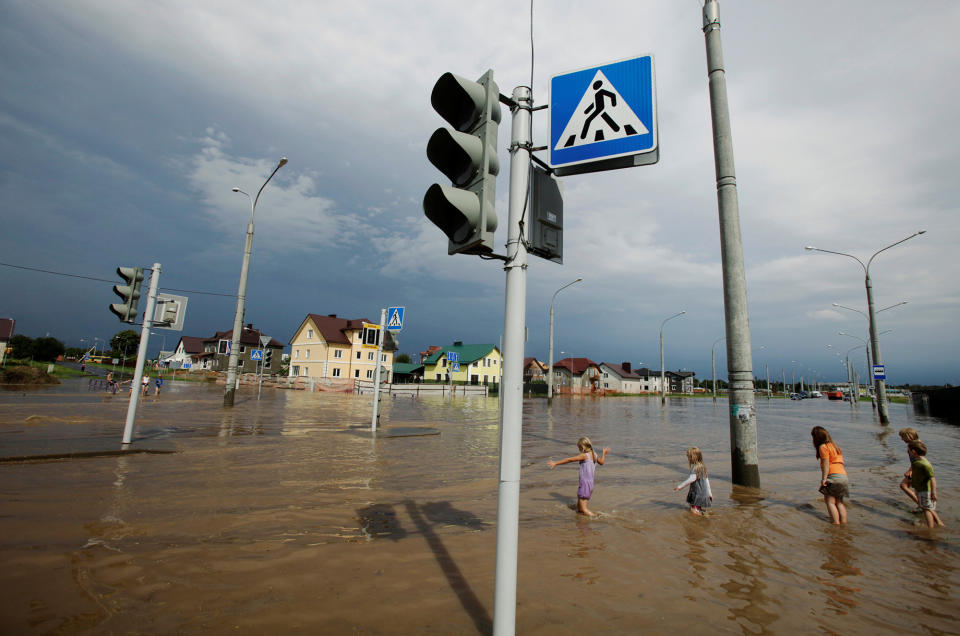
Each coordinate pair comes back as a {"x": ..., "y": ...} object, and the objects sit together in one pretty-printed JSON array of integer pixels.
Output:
[
  {"x": 267, "y": 356},
  {"x": 130, "y": 293},
  {"x": 467, "y": 155}
]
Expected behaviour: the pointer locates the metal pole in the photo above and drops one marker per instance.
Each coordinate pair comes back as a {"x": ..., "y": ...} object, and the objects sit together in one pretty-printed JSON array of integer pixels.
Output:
[
  {"x": 232, "y": 379},
  {"x": 713, "y": 366},
  {"x": 880, "y": 386},
  {"x": 376, "y": 374},
  {"x": 135, "y": 387},
  {"x": 743, "y": 416},
  {"x": 508, "y": 501},
  {"x": 550, "y": 361}
]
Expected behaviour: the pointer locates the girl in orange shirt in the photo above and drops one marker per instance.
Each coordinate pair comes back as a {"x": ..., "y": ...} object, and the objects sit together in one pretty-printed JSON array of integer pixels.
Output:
[{"x": 833, "y": 476}]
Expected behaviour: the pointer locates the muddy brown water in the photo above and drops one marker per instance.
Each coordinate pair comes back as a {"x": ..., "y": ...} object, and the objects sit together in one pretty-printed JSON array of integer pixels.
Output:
[{"x": 285, "y": 515}]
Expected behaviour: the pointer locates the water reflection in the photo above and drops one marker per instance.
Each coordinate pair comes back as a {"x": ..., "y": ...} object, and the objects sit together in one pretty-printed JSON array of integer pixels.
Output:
[{"x": 838, "y": 562}]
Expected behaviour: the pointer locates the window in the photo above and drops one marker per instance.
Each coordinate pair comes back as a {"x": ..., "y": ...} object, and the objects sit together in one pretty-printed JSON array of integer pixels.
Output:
[
  {"x": 383, "y": 357},
  {"x": 476, "y": 364},
  {"x": 356, "y": 373},
  {"x": 309, "y": 334},
  {"x": 306, "y": 370},
  {"x": 338, "y": 353},
  {"x": 369, "y": 373},
  {"x": 336, "y": 373},
  {"x": 358, "y": 355},
  {"x": 307, "y": 354},
  {"x": 438, "y": 377},
  {"x": 444, "y": 363},
  {"x": 296, "y": 370},
  {"x": 296, "y": 354},
  {"x": 242, "y": 349},
  {"x": 370, "y": 355}
]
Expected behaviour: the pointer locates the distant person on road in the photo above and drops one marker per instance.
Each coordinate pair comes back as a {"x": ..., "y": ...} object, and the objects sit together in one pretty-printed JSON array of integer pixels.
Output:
[
  {"x": 909, "y": 435},
  {"x": 146, "y": 384},
  {"x": 159, "y": 385},
  {"x": 834, "y": 485},
  {"x": 588, "y": 459},
  {"x": 111, "y": 385},
  {"x": 924, "y": 483},
  {"x": 699, "y": 496}
]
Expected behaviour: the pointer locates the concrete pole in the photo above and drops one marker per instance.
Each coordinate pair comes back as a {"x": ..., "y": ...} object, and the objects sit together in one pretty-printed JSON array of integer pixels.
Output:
[
  {"x": 135, "y": 387},
  {"x": 743, "y": 416},
  {"x": 232, "y": 379},
  {"x": 550, "y": 370},
  {"x": 508, "y": 501},
  {"x": 663, "y": 373}
]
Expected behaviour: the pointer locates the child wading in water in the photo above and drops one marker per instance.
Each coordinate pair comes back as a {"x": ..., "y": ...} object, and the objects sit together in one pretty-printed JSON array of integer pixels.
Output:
[
  {"x": 587, "y": 458},
  {"x": 909, "y": 435},
  {"x": 699, "y": 496}
]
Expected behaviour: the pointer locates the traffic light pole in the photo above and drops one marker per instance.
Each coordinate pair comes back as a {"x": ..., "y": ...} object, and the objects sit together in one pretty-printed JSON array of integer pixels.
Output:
[
  {"x": 742, "y": 410},
  {"x": 376, "y": 373},
  {"x": 136, "y": 388},
  {"x": 508, "y": 501}
]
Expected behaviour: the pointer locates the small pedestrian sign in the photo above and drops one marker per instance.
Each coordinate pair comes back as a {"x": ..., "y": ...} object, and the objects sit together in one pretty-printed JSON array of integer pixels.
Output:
[
  {"x": 256, "y": 354},
  {"x": 604, "y": 117},
  {"x": 395, "y": 318},
  {"x": 879, "y": 372},
  {"x": 456, "y": 367}
]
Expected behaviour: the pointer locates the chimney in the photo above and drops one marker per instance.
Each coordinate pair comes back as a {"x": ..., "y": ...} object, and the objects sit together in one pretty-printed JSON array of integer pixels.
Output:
[
  {"x": 458, "y": 343},
  {"x": 331, "y": 315},
  {"x": 626, "y": 366}
]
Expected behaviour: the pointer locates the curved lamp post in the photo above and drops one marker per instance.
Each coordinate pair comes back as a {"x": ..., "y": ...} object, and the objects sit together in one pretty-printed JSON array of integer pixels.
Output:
[
  {"x": 550, "y": 367},
  {"x": 231, "y": 387},
  {"x": 663, "y": 387},
  {"x": 874, "y": 344}
]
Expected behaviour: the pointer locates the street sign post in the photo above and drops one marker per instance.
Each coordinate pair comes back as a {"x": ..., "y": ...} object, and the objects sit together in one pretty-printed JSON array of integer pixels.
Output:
[{"x": 604, "y": 117}]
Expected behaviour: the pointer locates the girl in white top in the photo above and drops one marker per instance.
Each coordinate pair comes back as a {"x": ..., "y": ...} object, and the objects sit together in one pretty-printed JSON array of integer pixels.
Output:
[{"x": 699, "y": 496}]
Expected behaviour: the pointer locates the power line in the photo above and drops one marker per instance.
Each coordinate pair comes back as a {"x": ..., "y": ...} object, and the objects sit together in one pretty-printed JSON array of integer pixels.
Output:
[{"x": 104, "y": 280}]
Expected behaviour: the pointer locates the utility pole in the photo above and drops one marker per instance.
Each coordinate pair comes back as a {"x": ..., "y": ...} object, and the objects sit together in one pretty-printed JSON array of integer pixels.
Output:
[
  {"x": 508, "y": 495},
  {"x": 743, "y": 416}
]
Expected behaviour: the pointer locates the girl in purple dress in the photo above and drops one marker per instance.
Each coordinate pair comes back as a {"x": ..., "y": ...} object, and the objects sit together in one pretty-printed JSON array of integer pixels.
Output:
[{"x": 588, "y": 459}]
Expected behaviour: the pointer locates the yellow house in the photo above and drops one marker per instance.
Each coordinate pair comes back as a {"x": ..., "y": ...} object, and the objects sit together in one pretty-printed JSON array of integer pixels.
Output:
[
  {"x": 478, "y": 364},
  {"x": 331, "y": 347}
]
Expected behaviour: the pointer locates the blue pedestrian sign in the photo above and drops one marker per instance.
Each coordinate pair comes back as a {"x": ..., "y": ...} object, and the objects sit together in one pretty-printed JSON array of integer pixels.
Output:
[
  {"x": 453, "y": 356},
  {"x": 604, "y": 117},
  {"x": 879, "y": 372},
  {"x": 256, "y": 354},
  {"x": 395, "y": 318},
  {"x": 456, "y": 367}
]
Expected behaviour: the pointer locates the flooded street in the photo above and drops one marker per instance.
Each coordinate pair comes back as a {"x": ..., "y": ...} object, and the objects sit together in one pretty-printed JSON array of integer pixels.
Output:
[{"x": 287, "y": 515}]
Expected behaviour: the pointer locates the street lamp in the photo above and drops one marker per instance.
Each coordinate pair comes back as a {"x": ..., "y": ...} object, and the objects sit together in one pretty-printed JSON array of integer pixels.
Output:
[
  {"x": 713, "y": 365},
  {"x": 881, "y": 387},
  {"x": 663, "y": 390},
  {"x": 232, "y": 382},
  {"x": 550, "y": 368}
]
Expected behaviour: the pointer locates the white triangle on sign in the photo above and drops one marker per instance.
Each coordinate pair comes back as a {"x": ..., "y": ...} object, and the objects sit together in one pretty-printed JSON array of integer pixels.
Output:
[
  {"x": 601, "y": 115},
  {"x": 395, "y": 320}
]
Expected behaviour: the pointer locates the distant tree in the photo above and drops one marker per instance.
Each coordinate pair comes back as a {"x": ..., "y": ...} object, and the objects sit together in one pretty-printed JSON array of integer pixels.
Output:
[
  {"x": 403, "y": 358},
  {"x": 22, "y": 347},
  {"x": 47, "y": 349},
  {"x": 126, "y": 340}
]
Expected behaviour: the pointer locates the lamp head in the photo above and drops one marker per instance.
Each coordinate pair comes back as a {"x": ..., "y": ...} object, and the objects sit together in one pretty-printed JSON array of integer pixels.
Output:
[
  {"x": 922, "y": 232},
  {"x": 283, "y": 162},
  {"x": 809, "y": 247},
  {"x": 236, "y": 189}
]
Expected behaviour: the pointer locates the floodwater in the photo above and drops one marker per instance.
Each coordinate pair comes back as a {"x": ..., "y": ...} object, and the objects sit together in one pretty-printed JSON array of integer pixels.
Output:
[{"x": 286, "y": 515}]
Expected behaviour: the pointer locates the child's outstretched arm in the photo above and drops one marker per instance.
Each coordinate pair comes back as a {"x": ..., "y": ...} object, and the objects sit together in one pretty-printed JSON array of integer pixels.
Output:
[
  {"x": 689, "y": 480},
  {"x": 603, "y": 455},
  {"x": 577, "y": 458}
]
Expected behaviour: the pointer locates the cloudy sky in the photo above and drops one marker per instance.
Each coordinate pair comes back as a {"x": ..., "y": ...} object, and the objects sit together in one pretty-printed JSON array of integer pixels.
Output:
[{"x": 125, "y": 124}]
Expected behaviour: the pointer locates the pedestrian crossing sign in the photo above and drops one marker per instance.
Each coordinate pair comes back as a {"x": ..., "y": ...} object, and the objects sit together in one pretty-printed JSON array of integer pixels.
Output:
[
  {"x": 395, "y": 318},
  {"x": 604, "y": 117}
]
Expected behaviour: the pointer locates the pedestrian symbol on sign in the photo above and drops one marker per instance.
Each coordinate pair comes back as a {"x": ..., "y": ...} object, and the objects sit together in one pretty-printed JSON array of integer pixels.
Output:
[
  {"x": 594, "y": 120},
  {"x": 395, "y": 318}
]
